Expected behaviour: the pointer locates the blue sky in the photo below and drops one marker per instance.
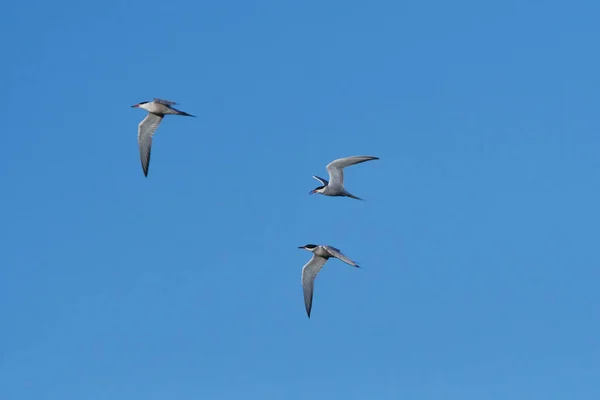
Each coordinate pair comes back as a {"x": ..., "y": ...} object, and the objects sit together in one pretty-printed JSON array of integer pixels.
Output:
[{"x": 478, "y": 235}]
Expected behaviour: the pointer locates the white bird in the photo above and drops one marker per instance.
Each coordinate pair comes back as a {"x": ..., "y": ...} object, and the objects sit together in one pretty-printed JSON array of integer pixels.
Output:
[
  {"x": 335, "y": 186},
  {"x": 321, "y": 253},
  {"x": 157, "y": 109}
]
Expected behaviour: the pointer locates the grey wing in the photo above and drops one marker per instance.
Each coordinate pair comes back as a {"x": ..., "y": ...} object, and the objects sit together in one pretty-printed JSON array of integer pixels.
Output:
[
  {"x": 165, "y": 102},
  {"x": 309, "y": 273},
  {"x": 338, "y": 254},
  {"x": 336, "y": 167},
  {"x": 146, "y": 130}
]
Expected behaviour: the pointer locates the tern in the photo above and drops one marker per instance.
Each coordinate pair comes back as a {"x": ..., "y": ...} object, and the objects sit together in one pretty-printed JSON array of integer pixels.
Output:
[
  {"x": 321, "y": 253},
  {"x": 157, "y": 109},
  {"x": 335, "y": 186}
]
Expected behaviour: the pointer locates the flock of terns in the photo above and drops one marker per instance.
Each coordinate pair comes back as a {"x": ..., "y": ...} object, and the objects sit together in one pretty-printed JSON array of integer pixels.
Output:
[{"x": 158, "y": 108}]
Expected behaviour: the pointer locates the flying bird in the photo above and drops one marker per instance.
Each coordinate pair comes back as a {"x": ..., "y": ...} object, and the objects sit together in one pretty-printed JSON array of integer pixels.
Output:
[
  {"x": 335, "y": 186},
  {"x": 321, "y": 253},
  {"x": 157, "y": 109}
]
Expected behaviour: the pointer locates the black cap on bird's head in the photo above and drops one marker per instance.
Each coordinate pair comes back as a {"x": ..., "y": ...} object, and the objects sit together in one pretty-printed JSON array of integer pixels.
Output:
[
  {"x": 316, "y": 190},
  {"x": 308, "y": 247}
]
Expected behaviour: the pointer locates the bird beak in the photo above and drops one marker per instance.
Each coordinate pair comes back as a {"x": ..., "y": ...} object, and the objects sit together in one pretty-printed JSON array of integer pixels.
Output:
[
  {"x": 313, "y": 191},
  {"x": 301, "y": 247},
  {"x": 135, "y": 105}
]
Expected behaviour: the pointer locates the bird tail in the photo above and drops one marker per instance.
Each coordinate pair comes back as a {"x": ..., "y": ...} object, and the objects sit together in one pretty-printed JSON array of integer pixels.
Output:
[
  {"x": 353, "y": 196},
  {"x": 179, "y": 112}
]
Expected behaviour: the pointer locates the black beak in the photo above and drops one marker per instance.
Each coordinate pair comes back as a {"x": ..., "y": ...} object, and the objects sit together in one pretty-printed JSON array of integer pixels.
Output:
[{"x": 301, "y": 247}]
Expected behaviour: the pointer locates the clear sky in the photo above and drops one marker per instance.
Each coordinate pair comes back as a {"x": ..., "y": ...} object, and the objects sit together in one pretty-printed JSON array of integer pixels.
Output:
[{"x": 478, "y": 236}]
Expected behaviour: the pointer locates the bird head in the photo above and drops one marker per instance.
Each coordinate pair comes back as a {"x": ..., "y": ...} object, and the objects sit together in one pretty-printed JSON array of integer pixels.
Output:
[
  {"x": 139, "y": 105},
  {"x": 317, "y": 190},
  {"x": 309, "y": 247}
]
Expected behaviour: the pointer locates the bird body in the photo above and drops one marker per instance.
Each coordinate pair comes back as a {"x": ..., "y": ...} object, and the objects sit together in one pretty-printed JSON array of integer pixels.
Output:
[
  {"x": 335, "y": 185},
  {"x": 321, "y": 253},
  {"x": 157, "y": 109}
]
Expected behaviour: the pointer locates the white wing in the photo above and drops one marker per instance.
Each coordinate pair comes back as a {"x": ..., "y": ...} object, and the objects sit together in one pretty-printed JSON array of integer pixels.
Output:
[
  {"x": 338, "y": 254},
  {"x": 146, "y": 130},
  {"x": 336, "y": 168},
  {"x": 309, "y": 273}
]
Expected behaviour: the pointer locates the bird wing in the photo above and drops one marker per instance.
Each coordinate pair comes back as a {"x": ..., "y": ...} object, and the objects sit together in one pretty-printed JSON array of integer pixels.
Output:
[
  {"x": 165, "y": 102},
  {"x": 146, "y": 130},
  {"x": 336, "y": 167},
  {"x": 338, "y": 254},
  {"x": 309, "y": 273},
  {"x": 324, "y": 182}
]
